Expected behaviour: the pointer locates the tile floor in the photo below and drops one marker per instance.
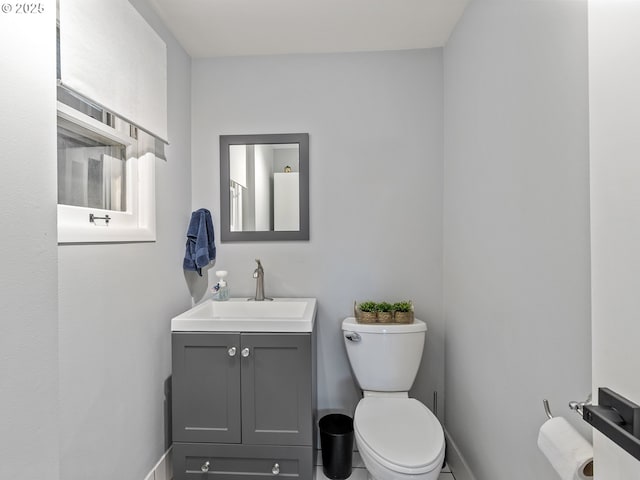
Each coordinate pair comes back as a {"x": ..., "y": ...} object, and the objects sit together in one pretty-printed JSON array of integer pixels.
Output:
[{"x": 360, "y": 473}]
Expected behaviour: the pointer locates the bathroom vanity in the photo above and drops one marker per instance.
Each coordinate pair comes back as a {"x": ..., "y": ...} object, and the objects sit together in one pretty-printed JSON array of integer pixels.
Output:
[{"x": 244, "y": 395}]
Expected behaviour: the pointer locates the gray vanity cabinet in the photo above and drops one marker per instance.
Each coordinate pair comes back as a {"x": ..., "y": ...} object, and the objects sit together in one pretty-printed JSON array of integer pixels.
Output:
[{"x": 243, "y": 402}]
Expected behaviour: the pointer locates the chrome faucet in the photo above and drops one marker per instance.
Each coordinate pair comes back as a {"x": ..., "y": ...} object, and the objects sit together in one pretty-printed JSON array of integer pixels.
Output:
[{"x": 258, "y": 274}]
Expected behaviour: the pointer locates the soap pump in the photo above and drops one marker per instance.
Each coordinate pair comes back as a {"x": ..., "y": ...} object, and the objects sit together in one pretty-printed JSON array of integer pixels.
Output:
[{"x": 221, "y": 289}]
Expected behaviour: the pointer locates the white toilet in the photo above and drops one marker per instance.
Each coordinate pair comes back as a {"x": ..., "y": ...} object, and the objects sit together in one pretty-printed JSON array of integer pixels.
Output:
[{"x": 398, "y": 437}]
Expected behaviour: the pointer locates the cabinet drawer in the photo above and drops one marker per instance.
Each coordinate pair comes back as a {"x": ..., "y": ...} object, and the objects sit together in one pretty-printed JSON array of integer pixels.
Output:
[{"x": 241, "y": 461}]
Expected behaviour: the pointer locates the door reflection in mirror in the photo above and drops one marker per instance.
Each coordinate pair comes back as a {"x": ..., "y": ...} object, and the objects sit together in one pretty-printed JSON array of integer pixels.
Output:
[{"x": 264, "y": 187}]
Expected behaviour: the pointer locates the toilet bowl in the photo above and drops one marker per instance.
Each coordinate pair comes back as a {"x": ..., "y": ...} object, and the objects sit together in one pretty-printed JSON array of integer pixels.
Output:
[{"x": 399, "y": 439}]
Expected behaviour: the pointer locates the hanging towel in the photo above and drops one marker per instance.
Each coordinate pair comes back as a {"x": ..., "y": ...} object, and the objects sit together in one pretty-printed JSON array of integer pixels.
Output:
[{"x": 201, "y": 246}]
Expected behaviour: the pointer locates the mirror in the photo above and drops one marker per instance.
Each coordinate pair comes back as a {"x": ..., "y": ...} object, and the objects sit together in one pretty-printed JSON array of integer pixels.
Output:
[{"x": 264, "y": 187}]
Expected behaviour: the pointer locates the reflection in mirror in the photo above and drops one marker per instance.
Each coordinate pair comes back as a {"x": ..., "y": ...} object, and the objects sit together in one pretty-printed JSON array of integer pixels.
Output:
[{"x": 264, "y": 187}]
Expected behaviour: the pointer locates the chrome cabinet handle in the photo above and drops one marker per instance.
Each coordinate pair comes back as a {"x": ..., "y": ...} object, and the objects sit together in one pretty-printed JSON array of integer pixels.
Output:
[
  {"x": 352, "y": 336},
  {"x": 276, "y": 469},
  {"x": 245, "y": 352},
  {"x": 232, "y": 351},
  {"x": 205, "y": 466}
]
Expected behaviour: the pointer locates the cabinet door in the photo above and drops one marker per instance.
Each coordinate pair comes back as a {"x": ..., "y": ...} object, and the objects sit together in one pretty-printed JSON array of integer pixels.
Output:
[
  {"x": 206, "y": 387},
  {"x": 276, "y": 389}
]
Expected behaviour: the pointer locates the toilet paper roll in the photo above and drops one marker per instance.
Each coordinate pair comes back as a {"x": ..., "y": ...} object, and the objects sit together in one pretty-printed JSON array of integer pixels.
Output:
[{"x": 568, "y": 452}]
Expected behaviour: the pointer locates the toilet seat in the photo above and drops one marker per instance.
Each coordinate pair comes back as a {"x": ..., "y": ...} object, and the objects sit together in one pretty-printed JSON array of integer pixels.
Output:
[{"x": 400, "y": 433}]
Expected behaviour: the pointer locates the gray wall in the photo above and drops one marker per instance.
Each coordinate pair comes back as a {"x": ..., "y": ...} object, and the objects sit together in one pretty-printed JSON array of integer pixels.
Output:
[
  {"x": 375, "y": 126},
  {"x": 28, "y": 294},
  {"x": 116, "y": 302},
  {"x": 516, "y": 229}
]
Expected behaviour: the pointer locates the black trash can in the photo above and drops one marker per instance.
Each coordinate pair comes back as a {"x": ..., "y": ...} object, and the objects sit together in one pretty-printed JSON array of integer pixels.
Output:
[{"x": 336, "y": 442}]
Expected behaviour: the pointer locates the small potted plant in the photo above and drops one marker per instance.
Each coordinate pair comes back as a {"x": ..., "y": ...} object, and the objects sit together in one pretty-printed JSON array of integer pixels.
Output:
[
  {"x": 385, "y": 312},
  {"x": 367, "y": 312},
  {"x": 403, "y": 312}
]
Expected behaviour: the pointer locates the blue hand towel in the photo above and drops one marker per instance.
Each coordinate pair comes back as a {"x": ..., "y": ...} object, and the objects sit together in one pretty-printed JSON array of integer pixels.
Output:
[{"x": 201, "y": 246}]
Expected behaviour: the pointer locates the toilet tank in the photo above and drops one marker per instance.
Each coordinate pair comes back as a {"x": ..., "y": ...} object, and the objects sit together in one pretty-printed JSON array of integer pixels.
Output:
[{"x": 384, "y": 357}]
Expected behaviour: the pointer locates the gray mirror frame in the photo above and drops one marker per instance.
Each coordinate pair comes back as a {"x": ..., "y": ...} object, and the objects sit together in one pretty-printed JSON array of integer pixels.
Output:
[{"x": 226, "y": 235}]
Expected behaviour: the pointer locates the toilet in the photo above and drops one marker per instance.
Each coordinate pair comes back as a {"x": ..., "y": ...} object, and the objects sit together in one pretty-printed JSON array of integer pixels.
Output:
[{"x": 398, "y": 437}]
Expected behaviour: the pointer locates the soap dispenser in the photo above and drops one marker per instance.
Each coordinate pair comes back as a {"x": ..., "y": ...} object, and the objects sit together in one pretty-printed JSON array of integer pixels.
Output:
[{"x": 221, "y": 290}]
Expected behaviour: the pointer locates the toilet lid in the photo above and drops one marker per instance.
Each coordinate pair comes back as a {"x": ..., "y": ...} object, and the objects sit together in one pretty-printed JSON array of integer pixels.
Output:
[{"x": 401, "y": 432}]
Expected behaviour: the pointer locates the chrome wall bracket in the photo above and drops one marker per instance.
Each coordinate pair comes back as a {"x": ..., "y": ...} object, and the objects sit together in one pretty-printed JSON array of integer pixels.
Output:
[{"x": 578, "y": 407}]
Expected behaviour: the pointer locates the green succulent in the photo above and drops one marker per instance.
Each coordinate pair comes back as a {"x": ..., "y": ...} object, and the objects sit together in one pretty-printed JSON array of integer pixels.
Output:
[
  {"x": 402, "y": 306},
  {"x": 385, "y": 307},
  {"x": 368, "y": 307}
]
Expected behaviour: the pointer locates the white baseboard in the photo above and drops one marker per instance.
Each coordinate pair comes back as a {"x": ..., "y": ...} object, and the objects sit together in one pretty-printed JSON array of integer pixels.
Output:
[
  {"x": 163, "y": 470},
  {"x": 456, "y": 461}
]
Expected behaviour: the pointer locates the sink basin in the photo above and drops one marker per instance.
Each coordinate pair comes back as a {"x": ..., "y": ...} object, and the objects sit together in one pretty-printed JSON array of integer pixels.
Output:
[{"x": 241, "y": 315}]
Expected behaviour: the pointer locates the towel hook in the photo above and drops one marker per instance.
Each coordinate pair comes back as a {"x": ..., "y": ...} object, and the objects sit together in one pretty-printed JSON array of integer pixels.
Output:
[{"x": 547, "y": 410}]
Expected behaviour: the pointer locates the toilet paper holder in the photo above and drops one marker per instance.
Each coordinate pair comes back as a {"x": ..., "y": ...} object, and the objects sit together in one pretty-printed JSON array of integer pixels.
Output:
[{"x": 573, "y": 405}]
